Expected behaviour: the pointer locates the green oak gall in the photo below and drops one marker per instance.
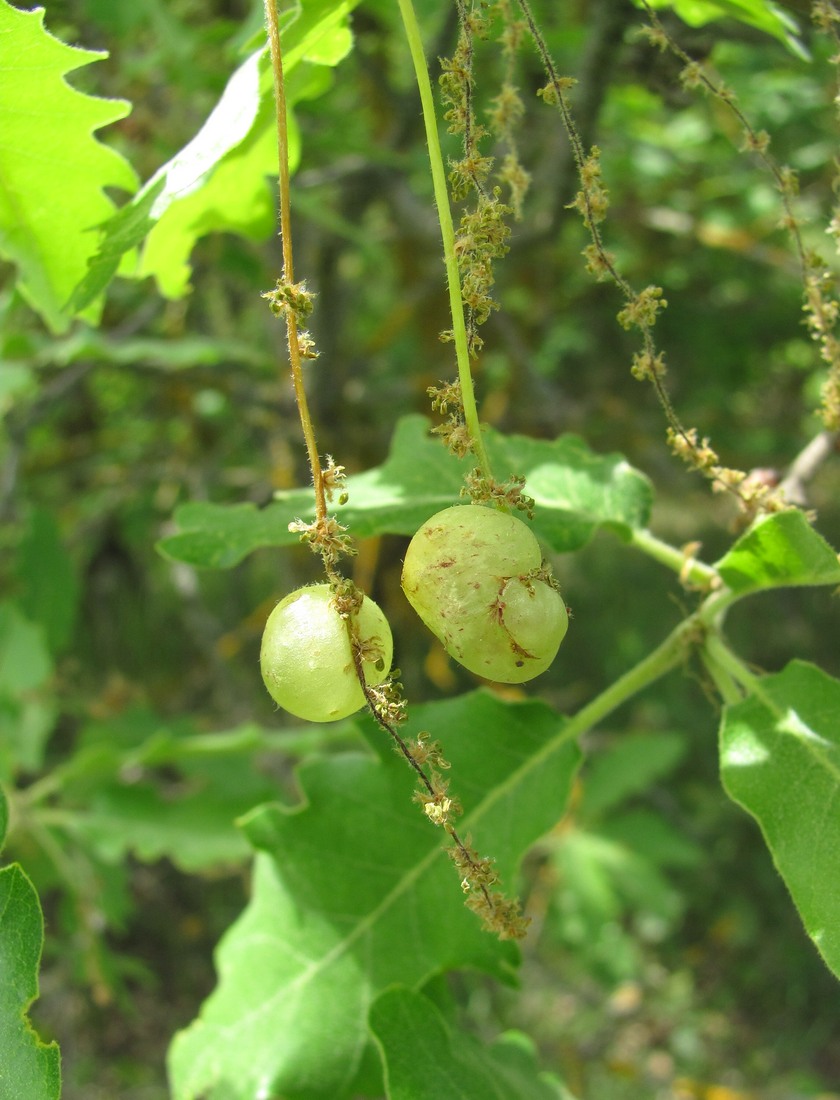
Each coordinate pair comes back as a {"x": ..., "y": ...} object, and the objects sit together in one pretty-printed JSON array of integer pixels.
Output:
[
  {"x": 477, "y": 579},
  {"x": 306, "y": 657}
]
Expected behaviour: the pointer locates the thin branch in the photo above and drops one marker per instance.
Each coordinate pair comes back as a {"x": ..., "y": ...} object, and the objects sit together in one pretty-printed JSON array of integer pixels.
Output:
[
  {"x": 291, "y": 313},
  {"x": 804, "y": 467},
  {"x": 500, "y": 913}
]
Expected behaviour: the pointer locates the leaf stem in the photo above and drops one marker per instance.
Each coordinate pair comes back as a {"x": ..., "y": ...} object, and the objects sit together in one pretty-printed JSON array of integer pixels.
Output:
[
  {"x": 288, "y": 262},
  {"x": 689, "y": 569},
  {"x": 727, "y": 685},
  {"x": 290, "y": 742},
  {"x": 731, "y": 675},
  {"x": 713, "y": 610},
  {"x": 447, "y": 232}
]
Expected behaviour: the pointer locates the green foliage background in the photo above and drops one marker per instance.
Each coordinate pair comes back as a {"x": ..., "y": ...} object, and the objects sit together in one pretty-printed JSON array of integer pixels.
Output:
[{"x": 666, "y": 958}]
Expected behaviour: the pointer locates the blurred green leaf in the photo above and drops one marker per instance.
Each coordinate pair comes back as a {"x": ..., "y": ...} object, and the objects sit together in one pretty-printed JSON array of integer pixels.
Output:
[
  {"x": 763, "y": 14},
  {"x": 779, "y": 551},
  {"x": 603, "y": 884},
  {"x": 29, "y": 1068},
  {"x": 191, "y": 821},
  {"x": 4, "y": 817},
  {"x": 24, "y": 661},
  {"x": 352, "y": 892},
  {"x": 575, "y": 490},
  {"x": 196, "y": 830},
  {"x": 780, "y": 760},
  {"x": 613, "y": 890},
  {"x": 27, "y": 710},
  {"x": 16, "y": 380},
  {"x": 161, "y": 354},
  {"x": 52, "y": 169},
  {"x": 631, "y": 765},
  {"x": 138, "y": 784},
  {"x": 50, "y": 588},
  {"x": 425, "y": 1058},
  {"x": 652, "y": 836}
]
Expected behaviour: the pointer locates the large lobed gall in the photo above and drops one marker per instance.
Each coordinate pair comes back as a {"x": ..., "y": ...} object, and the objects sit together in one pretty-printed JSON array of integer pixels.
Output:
[{"x": 476, "y": 578}]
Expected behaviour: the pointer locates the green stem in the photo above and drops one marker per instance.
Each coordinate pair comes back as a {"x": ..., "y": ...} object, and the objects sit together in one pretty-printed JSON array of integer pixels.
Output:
[
  {"x": 288, "y": 259},
  {"x": 667, "y": 655},
  {"x": 735, "y": 677},
  {"x": 447, "y": 232},
  {"x": 58, "y": 818},
  {"x": 689, "y": 569},
  {"x": 291, "y": 742},
  {"x": 726, "y": 684},
  {"x": 43, "y": 788},
  {"x": 713, "y": 610}
]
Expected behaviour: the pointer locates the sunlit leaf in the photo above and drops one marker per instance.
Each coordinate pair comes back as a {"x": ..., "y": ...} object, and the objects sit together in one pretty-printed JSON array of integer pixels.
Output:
[
  {"x": 119, "y": 234},
  {"x": 778, "y": 551},
  {"x": 220, "y": 180},
  {"x": 780, "y": 759},
  {"x": 52, "y": 169}
]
